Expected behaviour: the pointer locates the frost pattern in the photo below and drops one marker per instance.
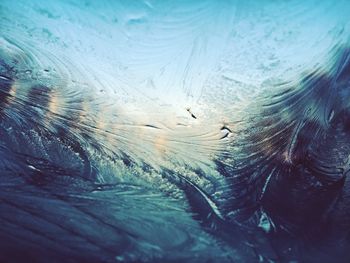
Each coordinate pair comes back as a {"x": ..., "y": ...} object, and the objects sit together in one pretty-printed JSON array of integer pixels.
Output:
[{"x": 174, "y": 131}]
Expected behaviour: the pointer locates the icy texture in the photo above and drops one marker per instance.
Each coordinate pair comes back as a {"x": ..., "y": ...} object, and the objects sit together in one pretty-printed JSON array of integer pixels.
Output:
[{"x": 174, "y": 131}]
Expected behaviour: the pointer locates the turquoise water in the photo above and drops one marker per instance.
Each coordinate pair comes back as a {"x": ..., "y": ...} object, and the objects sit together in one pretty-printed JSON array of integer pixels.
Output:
[{"x": 174, "y": 131}]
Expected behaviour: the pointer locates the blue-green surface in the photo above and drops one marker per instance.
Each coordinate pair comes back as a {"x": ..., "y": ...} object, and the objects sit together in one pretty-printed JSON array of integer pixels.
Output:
[{"x": 174, "y": 131}]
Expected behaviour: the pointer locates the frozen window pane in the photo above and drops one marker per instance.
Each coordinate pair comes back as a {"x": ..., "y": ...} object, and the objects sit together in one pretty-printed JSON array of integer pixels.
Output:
[{"x": 163, "y": 131}]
